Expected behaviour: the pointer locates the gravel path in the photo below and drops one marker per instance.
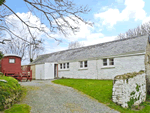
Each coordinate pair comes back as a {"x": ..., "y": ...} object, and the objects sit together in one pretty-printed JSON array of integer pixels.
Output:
[{"x": 53, "y": 98}]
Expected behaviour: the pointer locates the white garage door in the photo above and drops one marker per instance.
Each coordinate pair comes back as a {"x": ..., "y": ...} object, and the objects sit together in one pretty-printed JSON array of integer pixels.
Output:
[{"x": 39, "y": 74}]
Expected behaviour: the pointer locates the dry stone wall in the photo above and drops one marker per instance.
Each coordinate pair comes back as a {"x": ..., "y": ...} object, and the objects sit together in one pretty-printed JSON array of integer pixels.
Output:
[{"x": 129, "y": 90}]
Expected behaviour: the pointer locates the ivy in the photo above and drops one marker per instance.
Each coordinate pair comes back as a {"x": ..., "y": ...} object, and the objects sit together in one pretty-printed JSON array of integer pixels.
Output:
[
  {"x": 137, "y": 87},
  {"x": 139, "y": 96},
  {"x": 132, "y": 93},
  {"x": 127, "y": 80},
  {"x": 131, "y": 102}
]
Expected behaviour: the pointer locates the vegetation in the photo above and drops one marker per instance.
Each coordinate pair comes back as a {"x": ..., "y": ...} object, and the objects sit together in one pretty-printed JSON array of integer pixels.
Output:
[
  {"x": 140, "y": 30},
  {"x": 19, "y": 108},
  {"x": 101, "y": 90},
  {"x": 11, "y": 92},
  {"x": 75, "y": 44},
  {"x": 137, "y": 87},
  {"x": 129, "y": 75},
  {"x": 1, "y": 55}
]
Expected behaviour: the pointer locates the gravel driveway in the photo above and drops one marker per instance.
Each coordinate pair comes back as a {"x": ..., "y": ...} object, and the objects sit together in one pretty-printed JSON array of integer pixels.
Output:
[{"x": 52, "y": 98}]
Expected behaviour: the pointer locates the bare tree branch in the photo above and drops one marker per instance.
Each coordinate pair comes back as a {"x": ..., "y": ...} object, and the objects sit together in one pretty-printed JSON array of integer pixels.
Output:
[
  {"x": 75, "y": 44},
  {"x": 138, "y": 31},
  {"x": 56, "y": 13}
]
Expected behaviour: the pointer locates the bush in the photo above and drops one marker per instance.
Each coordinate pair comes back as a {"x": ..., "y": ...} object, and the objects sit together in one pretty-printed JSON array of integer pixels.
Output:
[
  {"x": 1, "y": 74},
  {"x": 10, "y": 92}
]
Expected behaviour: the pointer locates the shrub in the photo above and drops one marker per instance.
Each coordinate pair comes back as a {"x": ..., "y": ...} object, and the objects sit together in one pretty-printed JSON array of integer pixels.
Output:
[{"x": 10, "y": 92}]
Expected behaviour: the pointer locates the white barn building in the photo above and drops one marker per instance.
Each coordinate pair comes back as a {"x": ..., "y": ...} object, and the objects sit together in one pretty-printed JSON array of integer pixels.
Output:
[{"x": 100, "y": 61}]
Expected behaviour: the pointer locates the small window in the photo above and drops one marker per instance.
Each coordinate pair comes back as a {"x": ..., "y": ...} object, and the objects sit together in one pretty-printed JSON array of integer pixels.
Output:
[
  {"x": 111, "y": 61},
  {"x": 60, "y": 66},
  {"x": 64, "y": 65},
  {"x": 81, "y": 64},
  {"x": 85, "y": 64},
  {"x": 104, "y": 62},
  {"x": 68, "y": 65},
  {"x": 11, "y": 60}
]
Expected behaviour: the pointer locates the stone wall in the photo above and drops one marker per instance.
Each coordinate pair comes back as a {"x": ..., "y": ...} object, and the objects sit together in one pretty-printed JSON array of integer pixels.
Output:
[
  {"x": 147, "y": 66},
  {"x": 129, "y": 89}
]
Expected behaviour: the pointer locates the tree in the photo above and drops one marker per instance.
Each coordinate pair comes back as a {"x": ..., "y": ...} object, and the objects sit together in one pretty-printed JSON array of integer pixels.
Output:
[
  {"x": 22, "y": 48},
  {"x": 138, "y": 31},
  {"x": 1, "y": 55},
  {"x": 56, "y": 12},
  {"x": 75, "y": 44}
]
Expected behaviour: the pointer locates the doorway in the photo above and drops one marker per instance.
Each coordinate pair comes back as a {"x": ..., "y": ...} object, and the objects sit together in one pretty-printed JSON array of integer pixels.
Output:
[{"x": 55, "y": 70}]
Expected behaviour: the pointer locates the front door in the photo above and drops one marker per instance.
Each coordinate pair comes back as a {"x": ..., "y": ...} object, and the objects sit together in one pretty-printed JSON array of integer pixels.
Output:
[{"x": 55, "y": 70}]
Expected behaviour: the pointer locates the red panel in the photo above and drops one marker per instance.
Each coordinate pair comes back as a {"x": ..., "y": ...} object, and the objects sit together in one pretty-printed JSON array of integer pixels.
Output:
[{"x": 11, "y": 67}]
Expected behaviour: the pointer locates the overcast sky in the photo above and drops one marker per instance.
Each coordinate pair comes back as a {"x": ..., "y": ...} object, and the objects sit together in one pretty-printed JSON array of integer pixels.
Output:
[{"x": 110, "y": 18}]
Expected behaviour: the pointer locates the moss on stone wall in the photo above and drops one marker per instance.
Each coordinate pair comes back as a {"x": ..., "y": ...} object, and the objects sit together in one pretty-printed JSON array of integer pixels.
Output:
[{"x": 128, "y": 75}]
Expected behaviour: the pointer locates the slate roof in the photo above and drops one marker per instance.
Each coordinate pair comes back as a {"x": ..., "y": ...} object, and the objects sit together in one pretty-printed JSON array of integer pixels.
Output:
[{"x": 117, "y": 47}]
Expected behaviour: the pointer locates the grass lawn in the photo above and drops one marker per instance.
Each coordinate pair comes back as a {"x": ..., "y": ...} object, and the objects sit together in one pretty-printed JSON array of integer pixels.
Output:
[
  {"x": 101, "y": 90},
  {"x": 19, "y": 108}
]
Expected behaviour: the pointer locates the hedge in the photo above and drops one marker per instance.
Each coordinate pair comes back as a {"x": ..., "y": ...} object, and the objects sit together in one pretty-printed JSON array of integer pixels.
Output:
[{"x": 10, "y": 92}]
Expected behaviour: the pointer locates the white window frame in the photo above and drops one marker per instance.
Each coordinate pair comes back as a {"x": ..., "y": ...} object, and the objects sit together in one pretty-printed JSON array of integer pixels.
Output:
[
  {"x": 60, "y": 66},
  {"x": 105, "y": 62},
  {"x": 66, "y": 66},
  {"x": 111, "y": 61},
  {"x": 108, "y": 63},
  {"x": 11, "y": 60},
  {"x": 83, "y": 64}
]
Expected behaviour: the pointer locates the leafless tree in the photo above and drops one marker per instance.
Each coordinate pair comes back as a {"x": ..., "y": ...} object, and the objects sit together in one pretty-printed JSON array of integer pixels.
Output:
[
  {"x": 138, "y": 31},
  {"x": 22, "y": 48},
  {"x": 35, "y": 49},
  {"x": 75, "y": 44},
  {"x": 56, "y": 12}
]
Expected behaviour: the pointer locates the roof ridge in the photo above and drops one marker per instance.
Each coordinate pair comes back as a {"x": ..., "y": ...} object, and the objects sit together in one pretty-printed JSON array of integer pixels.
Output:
[{"x": 94, "y": 45}]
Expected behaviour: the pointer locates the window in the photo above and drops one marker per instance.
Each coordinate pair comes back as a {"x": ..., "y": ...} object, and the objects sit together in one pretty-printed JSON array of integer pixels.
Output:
[
  {"x": 60, "y": 66},
  {"x": 104, "y": 62},
  {"x": 64, "y": 65},
  {"x": 111, "y": 61},
  {"x": 108, "y": 62},
  {"x": 11, "y": 60},
  {"x": 83, "y": 64},
  {"x": 68, "y": 65}
]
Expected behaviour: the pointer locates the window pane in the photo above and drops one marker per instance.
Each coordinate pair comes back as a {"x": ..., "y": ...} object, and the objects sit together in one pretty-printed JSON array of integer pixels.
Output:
[
  {"x": 81, "y": 64},
  {"x": 85, "y": 64},
  {"x": 11, "y": 60},
  {"x": 60, "y": 66},
  {"x": 68, "y": 65},
  {"x": 64, "y": 66},
  {"x": 111, "y": 61},
  {"x": 104, "y": 62}
]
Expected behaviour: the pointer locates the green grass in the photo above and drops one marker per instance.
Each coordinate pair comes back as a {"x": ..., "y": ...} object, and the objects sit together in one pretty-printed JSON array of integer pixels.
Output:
[
  {"x": 101, "y": 90},
  {"x": 19, "y": 108}
]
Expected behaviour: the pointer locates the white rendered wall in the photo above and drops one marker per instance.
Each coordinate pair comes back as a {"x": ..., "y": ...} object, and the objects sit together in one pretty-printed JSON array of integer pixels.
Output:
[
  {"x": 39, "y": 73},
  {"x": 95, "y": 68},
  {"x": 75, "y": 72},
  {"x": 49, "y": 71},
  {"x": 121, "y": 65}
]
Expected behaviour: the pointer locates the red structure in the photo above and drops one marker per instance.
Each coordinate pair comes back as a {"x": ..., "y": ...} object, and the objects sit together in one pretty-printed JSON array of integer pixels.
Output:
[{"x": 11, "y": 66}]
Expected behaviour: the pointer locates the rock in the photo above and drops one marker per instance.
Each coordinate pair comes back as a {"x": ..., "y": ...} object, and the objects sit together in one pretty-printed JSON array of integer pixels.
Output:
[{"x": 3, "y": 81}]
